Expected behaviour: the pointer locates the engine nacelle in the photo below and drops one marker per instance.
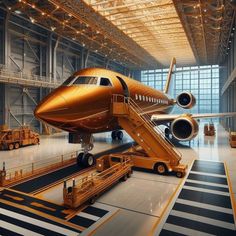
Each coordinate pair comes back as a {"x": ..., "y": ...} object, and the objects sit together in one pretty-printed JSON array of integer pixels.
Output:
[
  {"x": 184, "y": 128},
  {"x": 186, "y": 100}
]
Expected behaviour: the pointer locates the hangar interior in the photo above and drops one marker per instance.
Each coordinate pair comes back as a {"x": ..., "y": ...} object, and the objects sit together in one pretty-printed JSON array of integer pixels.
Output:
[{"x": 42, "y": 43}]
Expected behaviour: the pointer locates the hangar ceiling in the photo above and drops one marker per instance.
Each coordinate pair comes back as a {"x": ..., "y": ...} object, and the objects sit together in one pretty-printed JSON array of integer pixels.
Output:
[{"x": 138, "y": 33}]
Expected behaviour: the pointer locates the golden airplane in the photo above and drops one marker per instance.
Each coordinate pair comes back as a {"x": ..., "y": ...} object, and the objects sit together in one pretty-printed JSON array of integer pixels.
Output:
[{"x": 82, "y": 106}]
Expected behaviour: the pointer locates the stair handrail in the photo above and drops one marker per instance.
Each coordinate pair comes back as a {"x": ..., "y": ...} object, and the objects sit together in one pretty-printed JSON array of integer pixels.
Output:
[{"x": 150, "y": 124}]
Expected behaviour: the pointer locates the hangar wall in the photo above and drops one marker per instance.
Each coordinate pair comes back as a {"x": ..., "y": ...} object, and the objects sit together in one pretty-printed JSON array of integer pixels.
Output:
[
  {"x": 228, "y": 82},
  {"x": 30, "y": 52}
]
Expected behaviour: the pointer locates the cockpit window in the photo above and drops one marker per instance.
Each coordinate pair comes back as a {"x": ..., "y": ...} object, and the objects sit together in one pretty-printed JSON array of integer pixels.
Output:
[
  {"x": 105, "y": 82},
  {"x": 86, "y": 80},
  {"x": 69, "y": 80}
]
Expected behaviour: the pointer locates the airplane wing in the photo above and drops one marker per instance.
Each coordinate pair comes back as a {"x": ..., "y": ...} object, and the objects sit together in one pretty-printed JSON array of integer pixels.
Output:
[{"x": 170, "y": 117}]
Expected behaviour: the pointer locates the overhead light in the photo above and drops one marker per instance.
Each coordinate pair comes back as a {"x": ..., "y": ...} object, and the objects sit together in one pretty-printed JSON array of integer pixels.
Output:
[
  {"x": 17, "y": 12},
  {"x": 77, "y": 32},
  {"x": 32, "y": 20},
  {"x": 83, "y": 44},
  {"x": 73, "y": 38},
  {"x": 43, "y": 13},
  {"x": 53, "y": 28},
  {"x": 33, "y": 6},
  {"x": 96, "y": 50}
]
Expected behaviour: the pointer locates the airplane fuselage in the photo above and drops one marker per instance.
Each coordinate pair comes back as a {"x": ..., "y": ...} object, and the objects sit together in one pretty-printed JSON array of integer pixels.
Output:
[{"x": 83, "y": 102}]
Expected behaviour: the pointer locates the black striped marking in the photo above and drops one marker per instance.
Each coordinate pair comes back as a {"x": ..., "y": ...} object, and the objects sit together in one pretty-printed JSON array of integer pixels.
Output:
[
  {"x": 34, "y": 216},
  {"x": 220, "y": 208},
  {"x": 85, "y": 222},
  {"x": 57, "y": 210}
]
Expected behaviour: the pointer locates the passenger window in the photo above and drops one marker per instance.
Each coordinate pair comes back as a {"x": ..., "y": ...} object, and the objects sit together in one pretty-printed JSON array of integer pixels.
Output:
[
  {"x": 136, "y": 97},
  {"x": 143, "y": 98},
  {"x": 105, "y": 82},
  {"x": 140, "y": 98}
]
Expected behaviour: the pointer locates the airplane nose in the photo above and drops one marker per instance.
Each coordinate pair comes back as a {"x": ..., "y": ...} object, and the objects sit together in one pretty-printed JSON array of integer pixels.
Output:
[{"x": 51, "y": 109}]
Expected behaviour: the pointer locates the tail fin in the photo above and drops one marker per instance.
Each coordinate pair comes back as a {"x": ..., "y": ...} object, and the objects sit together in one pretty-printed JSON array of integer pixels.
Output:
[{"x": 169, "y": 81}]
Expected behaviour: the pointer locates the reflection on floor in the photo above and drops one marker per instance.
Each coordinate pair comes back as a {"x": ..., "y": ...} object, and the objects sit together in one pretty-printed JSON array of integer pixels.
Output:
[{"x": 138, "y": 203}]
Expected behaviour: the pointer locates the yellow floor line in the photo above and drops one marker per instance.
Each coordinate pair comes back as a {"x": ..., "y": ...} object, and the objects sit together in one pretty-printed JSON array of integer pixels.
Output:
[{"x": 231, "y": 192}]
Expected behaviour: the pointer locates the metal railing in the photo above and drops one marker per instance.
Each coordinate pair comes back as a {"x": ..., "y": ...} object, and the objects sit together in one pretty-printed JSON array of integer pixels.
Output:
[
  {"x": 10, "y": 76},
  {"x": 39, "y": 167},
  {"x": 150, "y": 124}
]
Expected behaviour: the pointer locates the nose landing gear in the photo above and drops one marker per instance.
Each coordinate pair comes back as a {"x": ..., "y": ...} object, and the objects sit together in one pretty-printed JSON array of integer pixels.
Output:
[{"x": 84, "y": 158}]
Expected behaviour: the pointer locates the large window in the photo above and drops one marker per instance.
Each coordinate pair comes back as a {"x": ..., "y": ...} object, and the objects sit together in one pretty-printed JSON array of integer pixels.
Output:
[{"x": 202, "y": 81}]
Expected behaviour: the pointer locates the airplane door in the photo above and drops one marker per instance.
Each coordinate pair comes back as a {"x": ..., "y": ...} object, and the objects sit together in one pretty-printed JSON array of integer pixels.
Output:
[{"x": 124, "y": 86}]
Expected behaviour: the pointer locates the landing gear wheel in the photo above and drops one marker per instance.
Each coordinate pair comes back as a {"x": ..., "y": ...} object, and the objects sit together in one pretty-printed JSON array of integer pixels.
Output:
[
  {"x": 167, "y": 132},
  {"x": 79, "y": 159},
  {"x": 88, "y": 160},
  {"x": 119, "y": 135},
  {"x": 179, "y": 174},
  {"x": 10, "y": 146},
  {"x": 113, "y": 135},
  {"x": 161, "y": 168},
  {"x": 17, "y": 145}
]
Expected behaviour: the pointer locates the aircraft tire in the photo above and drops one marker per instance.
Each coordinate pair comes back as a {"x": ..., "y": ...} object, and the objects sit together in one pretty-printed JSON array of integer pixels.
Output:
[
  {"x": 120, "y": 135},
  {"x": 88, "y": 160},
  {"x": 79, "y": 159},
  {"x": 114, "y": 135}
]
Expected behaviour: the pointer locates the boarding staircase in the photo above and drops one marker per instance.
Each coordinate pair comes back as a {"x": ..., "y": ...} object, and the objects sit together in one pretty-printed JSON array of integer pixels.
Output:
[{"x": 144, "y": 131}]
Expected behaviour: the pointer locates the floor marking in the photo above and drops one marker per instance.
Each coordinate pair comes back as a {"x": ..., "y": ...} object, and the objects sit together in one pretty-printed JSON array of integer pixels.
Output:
[
  {"x": 185, "y": 231},
  {"x": 17, "y": 229},
  {"x": 40, "y": 223},
  {"x": 89, "y": 216},
  {"x": 204, "y": 205},
  {"x": 206, "y": 183},
  {"x": 207, "y": 174},
  {"x": 206, "y": 190},
  {"x": 203, "y": 219}
]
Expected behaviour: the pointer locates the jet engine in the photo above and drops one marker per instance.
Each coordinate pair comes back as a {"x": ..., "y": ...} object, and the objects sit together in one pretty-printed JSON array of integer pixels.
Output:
[
  {"x": 184, "y": 128},
  {"x": 186, "y": 100}
]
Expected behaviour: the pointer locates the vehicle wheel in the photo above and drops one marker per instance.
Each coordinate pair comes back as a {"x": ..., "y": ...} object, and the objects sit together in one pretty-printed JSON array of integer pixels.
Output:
[
  {"x": 161, "y": 168},
  {"x": 10, "y": 146},
  {"x": 79, "y": 159},
  {"x": 88, "y": 160},
  {"x": 124, "y": 178},
  {"x": 120, "y": 135},
  {"x": 114, "y": 135},
  {"x": 17, "y": 145},
  {"x": 179, "y": 174},
  {"x": 129, "y": 174},
  {"x": 36, "y": 141},
  {"x": 92, "y": 200}
]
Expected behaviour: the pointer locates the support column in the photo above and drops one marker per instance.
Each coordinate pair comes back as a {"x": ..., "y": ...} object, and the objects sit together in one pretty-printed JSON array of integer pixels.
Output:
[
  {"x": 6, "y": 41},
  {"x": 4, "y": 104},
  {"x": 54, "y": 68},
  {"x": 49, "y": 58}
]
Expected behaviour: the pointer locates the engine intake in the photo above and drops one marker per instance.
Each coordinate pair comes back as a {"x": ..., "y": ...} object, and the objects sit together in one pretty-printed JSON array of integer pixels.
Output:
[
  {"x": 184, "y": 128},
  {"x": 186, "y": 100}
]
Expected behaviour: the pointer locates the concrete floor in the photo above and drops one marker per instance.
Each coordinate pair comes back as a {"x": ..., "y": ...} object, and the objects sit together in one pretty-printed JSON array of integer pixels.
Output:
[
  {"x": 142, "y": 198},
  {"x": 51, "y": 147}
]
